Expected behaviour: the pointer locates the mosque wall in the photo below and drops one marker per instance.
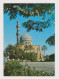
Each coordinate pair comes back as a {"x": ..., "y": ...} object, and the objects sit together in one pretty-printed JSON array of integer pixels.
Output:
[
  {"x": 39, "y": 55},
  {"x": 36, "y": 49}
]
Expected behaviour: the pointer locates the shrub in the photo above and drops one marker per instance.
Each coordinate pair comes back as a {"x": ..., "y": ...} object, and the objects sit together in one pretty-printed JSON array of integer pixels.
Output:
[{"x": 14, "y": 68}]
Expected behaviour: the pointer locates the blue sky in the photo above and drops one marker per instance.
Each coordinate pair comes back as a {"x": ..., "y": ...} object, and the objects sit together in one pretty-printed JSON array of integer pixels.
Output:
[{"x": 38, "y": 38}]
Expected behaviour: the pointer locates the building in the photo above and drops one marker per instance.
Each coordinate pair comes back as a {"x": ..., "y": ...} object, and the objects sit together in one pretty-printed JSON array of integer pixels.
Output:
[{"x": 26, "y": 39}]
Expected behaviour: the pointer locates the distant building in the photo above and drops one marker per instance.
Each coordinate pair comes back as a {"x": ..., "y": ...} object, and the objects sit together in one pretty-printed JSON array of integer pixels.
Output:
[{"x": 26, "y": 39}]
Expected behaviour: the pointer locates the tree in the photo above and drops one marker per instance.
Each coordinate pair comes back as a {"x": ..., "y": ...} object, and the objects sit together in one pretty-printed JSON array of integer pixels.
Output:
[
  {"x": 47, "y": 58},
  {"x": 52, "y": 57},
  {"x": 33, "y": 56},
  {"x": 44, "y": 48},
  {"x": 18, "y": 51},
  {"x": 9, "y": 49},
  {"x": 18, "y": 45},
  {"x": 27, "y": 10},
  {"x": 51, "y": 40},
  {"x": 30, "y": 47},
  {"x": 14, "y": 51},
  {"x": 26, "y": 48}
]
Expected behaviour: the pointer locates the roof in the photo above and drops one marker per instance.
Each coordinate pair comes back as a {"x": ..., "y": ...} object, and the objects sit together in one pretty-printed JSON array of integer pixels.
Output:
[{"x": 26, "y": 36}]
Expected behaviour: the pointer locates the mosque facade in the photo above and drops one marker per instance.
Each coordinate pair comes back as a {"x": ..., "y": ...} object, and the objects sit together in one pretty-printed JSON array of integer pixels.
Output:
[{"x": 26, "y": 39}]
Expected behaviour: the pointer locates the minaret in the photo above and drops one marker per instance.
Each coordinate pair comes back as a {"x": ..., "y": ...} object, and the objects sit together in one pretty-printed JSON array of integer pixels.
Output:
[{"x": 18, "y": 32}]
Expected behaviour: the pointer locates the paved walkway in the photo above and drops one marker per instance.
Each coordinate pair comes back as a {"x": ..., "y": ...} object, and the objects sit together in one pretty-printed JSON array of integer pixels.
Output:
[{"x": 41, "y": 66}]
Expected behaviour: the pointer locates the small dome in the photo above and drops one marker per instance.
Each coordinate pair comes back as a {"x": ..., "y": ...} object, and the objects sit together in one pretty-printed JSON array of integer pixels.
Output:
[{"x": 25, "y": 36}]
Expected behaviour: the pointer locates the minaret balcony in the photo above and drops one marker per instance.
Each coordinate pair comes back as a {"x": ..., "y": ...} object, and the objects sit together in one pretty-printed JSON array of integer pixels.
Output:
[{"x": 17, "y": 26}]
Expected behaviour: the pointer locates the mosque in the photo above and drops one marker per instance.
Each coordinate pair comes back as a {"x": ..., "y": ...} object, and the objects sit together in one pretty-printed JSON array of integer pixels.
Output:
[{"x": 26, "y": 39}]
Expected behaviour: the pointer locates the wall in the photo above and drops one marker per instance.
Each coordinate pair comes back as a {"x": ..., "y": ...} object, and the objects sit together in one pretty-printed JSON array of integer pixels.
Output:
[{"x": 36, "y": 49}]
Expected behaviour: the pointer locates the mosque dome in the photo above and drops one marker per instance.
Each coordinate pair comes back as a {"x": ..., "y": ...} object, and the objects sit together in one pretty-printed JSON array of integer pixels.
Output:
[{"x": 26, "y": 39}]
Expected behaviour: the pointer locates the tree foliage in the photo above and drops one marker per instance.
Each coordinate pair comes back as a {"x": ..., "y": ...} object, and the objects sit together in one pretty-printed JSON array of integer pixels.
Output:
[
  {"x": 51, "y": 40},
  {"x": 14, "y": 68},
  {"x": 38, "y": 26},
  {"x": 44, "y": 48},
  {"x": 31, "y": 56},
  {"x": 15, "y": 52},
  {"x": 26, "y": 48},
  {"x": 27, "y": 10},
  {"x": 30, "y": 48},
  {"x": 50, "y": 57},
  {"x": 9, "y": 49}
]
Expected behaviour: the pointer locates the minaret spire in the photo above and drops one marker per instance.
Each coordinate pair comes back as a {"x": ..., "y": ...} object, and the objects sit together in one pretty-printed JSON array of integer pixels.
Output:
[{"x": 18, "y": 32}]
